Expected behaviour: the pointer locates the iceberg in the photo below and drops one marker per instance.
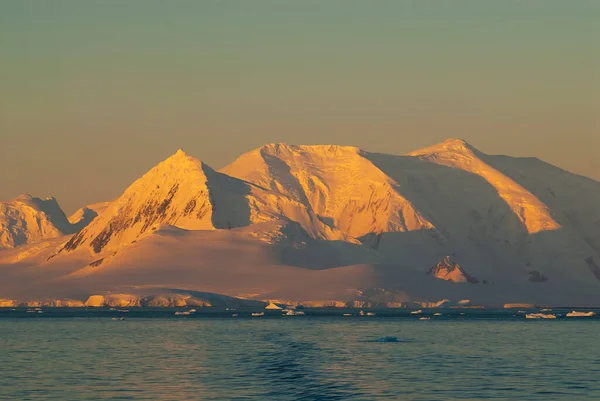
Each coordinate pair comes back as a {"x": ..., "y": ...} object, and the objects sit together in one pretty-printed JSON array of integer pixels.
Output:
[
  {"x": 580, "y": 314},
  {"x": 540, "y": 316},
  {"x": 271, "y": 305}
]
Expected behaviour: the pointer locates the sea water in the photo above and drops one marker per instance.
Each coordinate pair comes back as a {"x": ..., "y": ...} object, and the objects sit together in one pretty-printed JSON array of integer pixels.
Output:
[{"x": 156, "y": 356}]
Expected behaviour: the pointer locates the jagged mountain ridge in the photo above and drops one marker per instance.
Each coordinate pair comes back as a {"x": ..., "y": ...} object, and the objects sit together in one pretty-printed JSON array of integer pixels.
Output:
[
  {"x": 28, "y": 219},
  {"x": 510, "y": 222}
]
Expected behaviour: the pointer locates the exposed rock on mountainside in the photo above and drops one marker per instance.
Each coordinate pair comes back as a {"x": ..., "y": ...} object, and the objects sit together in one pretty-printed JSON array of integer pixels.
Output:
[{"x": 448, "y": 270}]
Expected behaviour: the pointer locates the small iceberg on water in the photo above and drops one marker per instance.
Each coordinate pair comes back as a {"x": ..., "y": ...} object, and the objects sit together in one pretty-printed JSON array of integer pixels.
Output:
[
  {"x": 272, "y": 306},
  {"x": 580, "y": 314},
  {"x": 540, "y": 316},
  {"x": 291, "y": 312}
]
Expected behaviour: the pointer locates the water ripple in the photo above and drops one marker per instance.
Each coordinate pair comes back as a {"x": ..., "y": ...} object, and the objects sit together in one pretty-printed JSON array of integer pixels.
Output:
[{"x": 303, "y": 359}]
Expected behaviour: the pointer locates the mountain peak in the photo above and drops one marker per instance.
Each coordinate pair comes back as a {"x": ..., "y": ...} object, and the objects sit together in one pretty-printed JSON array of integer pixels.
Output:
[
  {"x": 180, "y": 162},
  {"x": 453, "y": 145},
  {"x": 179, "y": 155},
  {"x": 456, "y": 143},
  {"x": 24, "y": 198}
]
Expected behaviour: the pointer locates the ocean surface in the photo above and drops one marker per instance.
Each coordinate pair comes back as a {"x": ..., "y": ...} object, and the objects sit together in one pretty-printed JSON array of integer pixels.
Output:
[{"x": 64, "y": 354}]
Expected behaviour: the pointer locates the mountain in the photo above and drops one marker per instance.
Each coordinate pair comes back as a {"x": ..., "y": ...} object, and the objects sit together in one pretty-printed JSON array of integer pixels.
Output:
[
  {"x": 28, "y": 219},
  {"x": 448, "y": 270},
  {"x": 84, "y": 216},
  {"x": 182, "y": 191},
  {"x": 332, "y": 225},
  {"x": 342, "y": 187}
]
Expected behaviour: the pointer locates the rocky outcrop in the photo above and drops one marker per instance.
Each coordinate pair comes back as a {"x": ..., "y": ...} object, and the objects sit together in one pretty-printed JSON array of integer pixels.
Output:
[{"x": 448, "y": 270}]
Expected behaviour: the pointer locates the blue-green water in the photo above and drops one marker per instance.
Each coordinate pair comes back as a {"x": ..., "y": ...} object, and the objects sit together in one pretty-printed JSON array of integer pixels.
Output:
[{"x": 159, "y": 357}]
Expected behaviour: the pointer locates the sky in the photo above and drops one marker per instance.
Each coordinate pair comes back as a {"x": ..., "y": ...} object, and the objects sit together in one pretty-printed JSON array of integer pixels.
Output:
[{"x": 95, "y": 93}]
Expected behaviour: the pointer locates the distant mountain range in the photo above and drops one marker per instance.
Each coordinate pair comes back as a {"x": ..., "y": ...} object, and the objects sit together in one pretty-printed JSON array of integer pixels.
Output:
[{"x": 319, "y": 225}]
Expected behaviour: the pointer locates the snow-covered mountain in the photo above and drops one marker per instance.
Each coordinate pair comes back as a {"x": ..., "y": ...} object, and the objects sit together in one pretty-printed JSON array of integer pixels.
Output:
[
  {"x": 334, "y": 224},
  {"x": 186, "y": 193},
  {"x": 344, "y": 189},
  {"x": 28, "y": 219},
  {"x": 84, "y": 216}
]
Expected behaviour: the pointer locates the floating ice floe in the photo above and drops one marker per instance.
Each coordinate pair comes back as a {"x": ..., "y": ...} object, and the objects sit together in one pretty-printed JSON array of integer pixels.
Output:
[
  {"x": 580, "y": 314},
  {"x": 291, "y": 312},
  {"x": 540, "y": 316}
]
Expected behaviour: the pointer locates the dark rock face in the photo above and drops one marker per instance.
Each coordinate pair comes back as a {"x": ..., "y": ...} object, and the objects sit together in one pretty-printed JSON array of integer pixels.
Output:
[
  {"x": 96, "y": 263},
  {"x": 88, "y": 216},
  {"x": 448, "y": 270},
  {"x": 75, "y": 241},
  {"x": 537, "y": 277},
  {"x": 52, "y": 210},
  {"x": 593, "y": 266}
]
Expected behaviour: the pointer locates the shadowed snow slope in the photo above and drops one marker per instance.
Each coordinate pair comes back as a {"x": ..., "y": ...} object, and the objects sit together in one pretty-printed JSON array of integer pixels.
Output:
[{"x": 328, "y": 224}]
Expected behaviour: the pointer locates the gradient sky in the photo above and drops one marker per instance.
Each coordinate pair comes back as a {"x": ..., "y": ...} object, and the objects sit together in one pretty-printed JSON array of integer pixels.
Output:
[{"x": 94, "y": 93}]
